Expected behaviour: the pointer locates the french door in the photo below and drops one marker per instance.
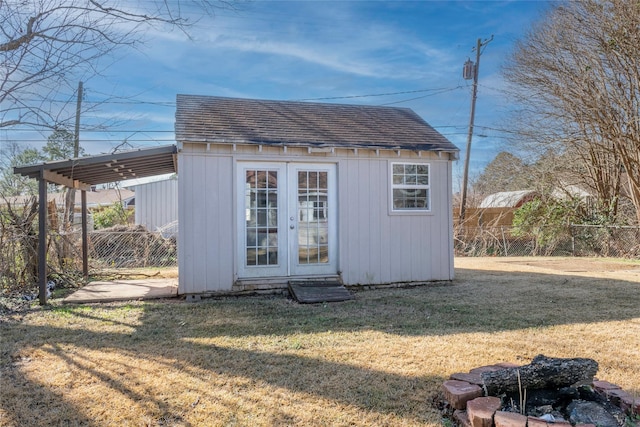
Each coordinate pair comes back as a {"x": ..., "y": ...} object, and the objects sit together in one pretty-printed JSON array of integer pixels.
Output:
[{"x": 287, "y": 219}]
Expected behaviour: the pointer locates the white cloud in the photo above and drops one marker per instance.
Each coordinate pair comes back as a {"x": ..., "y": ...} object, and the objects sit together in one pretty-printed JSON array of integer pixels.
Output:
[
  {"x": 337, "y": 39},
  {"x": 296, "y": 50},
  {"x": 336, "y": 61}
]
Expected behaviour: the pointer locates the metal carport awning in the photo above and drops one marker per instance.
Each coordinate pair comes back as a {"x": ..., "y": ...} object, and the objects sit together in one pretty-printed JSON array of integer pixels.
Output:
[{"x": 82, "y": 173}]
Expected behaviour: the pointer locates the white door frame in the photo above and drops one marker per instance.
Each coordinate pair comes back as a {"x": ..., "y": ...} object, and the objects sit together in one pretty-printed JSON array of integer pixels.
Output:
[
  {"x": 305, "y": 230},
  {"x": 279, "y": 253}
]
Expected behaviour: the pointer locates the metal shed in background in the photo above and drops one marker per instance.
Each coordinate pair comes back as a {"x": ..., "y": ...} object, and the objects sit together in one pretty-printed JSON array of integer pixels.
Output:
[{"x": 157, "y": 205}]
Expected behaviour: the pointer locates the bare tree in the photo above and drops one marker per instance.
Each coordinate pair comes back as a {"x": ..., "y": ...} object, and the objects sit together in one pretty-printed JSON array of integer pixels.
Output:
[
  {"x": 46, "y": 44},
  {"x": 577, "y": 74},
  {"x": 506, "y": 172},
  {"x": 19, "y": 241}
]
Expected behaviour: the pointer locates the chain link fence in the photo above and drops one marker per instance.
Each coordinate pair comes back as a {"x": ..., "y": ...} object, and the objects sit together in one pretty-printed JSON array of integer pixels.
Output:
[
  {"x": 132, "y": 249},
  {"x": 135, "y": 247},
  {"x": 118, "y": 248},
  {"x": 571, "y": 240}
]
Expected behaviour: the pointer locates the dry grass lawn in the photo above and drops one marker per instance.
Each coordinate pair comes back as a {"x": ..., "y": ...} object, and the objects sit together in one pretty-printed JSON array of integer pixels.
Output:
[{"x": 266, "y": 361}]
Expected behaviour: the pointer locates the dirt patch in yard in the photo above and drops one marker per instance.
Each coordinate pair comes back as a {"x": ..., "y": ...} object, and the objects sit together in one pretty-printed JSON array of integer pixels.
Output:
[{"x": 593, "y": 267}]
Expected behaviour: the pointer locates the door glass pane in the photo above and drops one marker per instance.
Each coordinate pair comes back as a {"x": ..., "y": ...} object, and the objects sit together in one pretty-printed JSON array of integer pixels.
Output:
[
  {"x": 313, "y": 226},
  {"x": 261, "y": 216}
]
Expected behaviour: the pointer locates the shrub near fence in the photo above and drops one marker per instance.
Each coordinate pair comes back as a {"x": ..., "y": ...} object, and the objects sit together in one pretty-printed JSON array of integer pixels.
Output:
[
  {"x": 572, "y": 240},
  {"x": 623, "y": 242},
  {"x": 121, "y": 247}
]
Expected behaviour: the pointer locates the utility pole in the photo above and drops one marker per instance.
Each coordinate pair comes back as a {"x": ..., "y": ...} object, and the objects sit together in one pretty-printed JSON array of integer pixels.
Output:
[
  {"x": 76, "y": 140},
  {"x": 470, "y": 71},
  {"x": 71, "y": 193},
  {"x": 70, "y": 196}
]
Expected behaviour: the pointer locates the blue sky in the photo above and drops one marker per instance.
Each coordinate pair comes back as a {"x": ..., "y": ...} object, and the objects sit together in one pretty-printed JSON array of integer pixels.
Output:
[{"x": 322, "y": 51}]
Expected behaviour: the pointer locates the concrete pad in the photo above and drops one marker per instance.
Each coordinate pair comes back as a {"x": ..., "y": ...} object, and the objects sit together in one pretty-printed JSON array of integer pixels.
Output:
[{"x": 124, "y": 290}]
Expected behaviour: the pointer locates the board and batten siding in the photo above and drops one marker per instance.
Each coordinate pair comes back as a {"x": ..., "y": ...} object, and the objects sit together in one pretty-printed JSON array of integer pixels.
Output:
[
  {"x": 378, "y": 246},
  {"x": 375, "y": 245},
  {"x": 207, "y": 225},
  {"x": 156, "y": 203}
]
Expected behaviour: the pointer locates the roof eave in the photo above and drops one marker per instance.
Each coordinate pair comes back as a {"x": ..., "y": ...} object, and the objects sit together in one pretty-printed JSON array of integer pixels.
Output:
[{"x": 414, "y": 147}]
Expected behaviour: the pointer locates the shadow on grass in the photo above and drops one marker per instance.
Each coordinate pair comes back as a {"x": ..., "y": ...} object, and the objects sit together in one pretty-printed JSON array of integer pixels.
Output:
[
  {"x": 368, "y": 390},
  {"x": 25, "y": 402},
  {"x": 477, "y": 301},
  {"x": 174, "y": 335}
]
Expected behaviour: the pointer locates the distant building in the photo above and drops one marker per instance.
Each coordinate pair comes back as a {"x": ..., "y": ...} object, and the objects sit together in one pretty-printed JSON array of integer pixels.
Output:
[
  {"x": 497, "y": 209},
  {"x": 508, "y": 199}
]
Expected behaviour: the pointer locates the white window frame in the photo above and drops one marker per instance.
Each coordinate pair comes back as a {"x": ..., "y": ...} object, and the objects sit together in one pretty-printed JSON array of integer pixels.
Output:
[{"x": 393, "y": 186}]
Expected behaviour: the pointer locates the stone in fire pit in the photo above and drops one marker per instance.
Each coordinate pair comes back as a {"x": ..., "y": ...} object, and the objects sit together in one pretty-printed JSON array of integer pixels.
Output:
[{"x": 546, "y": 391}]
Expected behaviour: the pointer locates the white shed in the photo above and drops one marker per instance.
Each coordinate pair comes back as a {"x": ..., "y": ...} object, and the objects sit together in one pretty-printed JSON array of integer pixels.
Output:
[
  {"x": 157, "y": 204},
  {"x": 273, "y": 190}
]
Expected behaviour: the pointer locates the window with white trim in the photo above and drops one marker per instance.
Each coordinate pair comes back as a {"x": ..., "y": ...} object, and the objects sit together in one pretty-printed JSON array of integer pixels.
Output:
[{"x": 410, "y": 187}]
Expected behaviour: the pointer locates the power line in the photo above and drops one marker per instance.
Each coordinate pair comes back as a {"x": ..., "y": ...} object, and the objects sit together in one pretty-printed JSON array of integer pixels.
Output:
[
  {"x": 130, "y": 102},
  {"x": 424, "y": 96},
  {"x": 101, "y": 140},
  {"x": 171, "y": 131},
  {"x": 101, "y": 131},
  {"x": 328, "y": 98}
]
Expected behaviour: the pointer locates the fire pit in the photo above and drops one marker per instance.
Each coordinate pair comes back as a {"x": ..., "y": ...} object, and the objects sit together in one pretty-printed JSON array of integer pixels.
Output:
[{"x": 546, "y": 391}]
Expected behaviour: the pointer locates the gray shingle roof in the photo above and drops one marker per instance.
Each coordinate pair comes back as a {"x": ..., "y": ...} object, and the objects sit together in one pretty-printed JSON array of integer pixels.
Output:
[{"x": 234, "y": 120}]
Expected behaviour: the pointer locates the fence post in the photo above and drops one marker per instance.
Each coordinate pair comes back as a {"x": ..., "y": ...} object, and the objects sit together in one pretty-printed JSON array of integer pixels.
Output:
[
  {"x": 573, "y": 240},
  {"x": 42, "y": 239},
  {"x": 85, "y": 245},
  {"x": 504, "y": 241}
]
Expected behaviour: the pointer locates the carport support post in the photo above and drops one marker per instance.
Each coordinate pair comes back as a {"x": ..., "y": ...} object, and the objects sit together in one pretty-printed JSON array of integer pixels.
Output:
[
  {"x": 42, "y": 239},
  {"x": 85, "y": 246}
]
